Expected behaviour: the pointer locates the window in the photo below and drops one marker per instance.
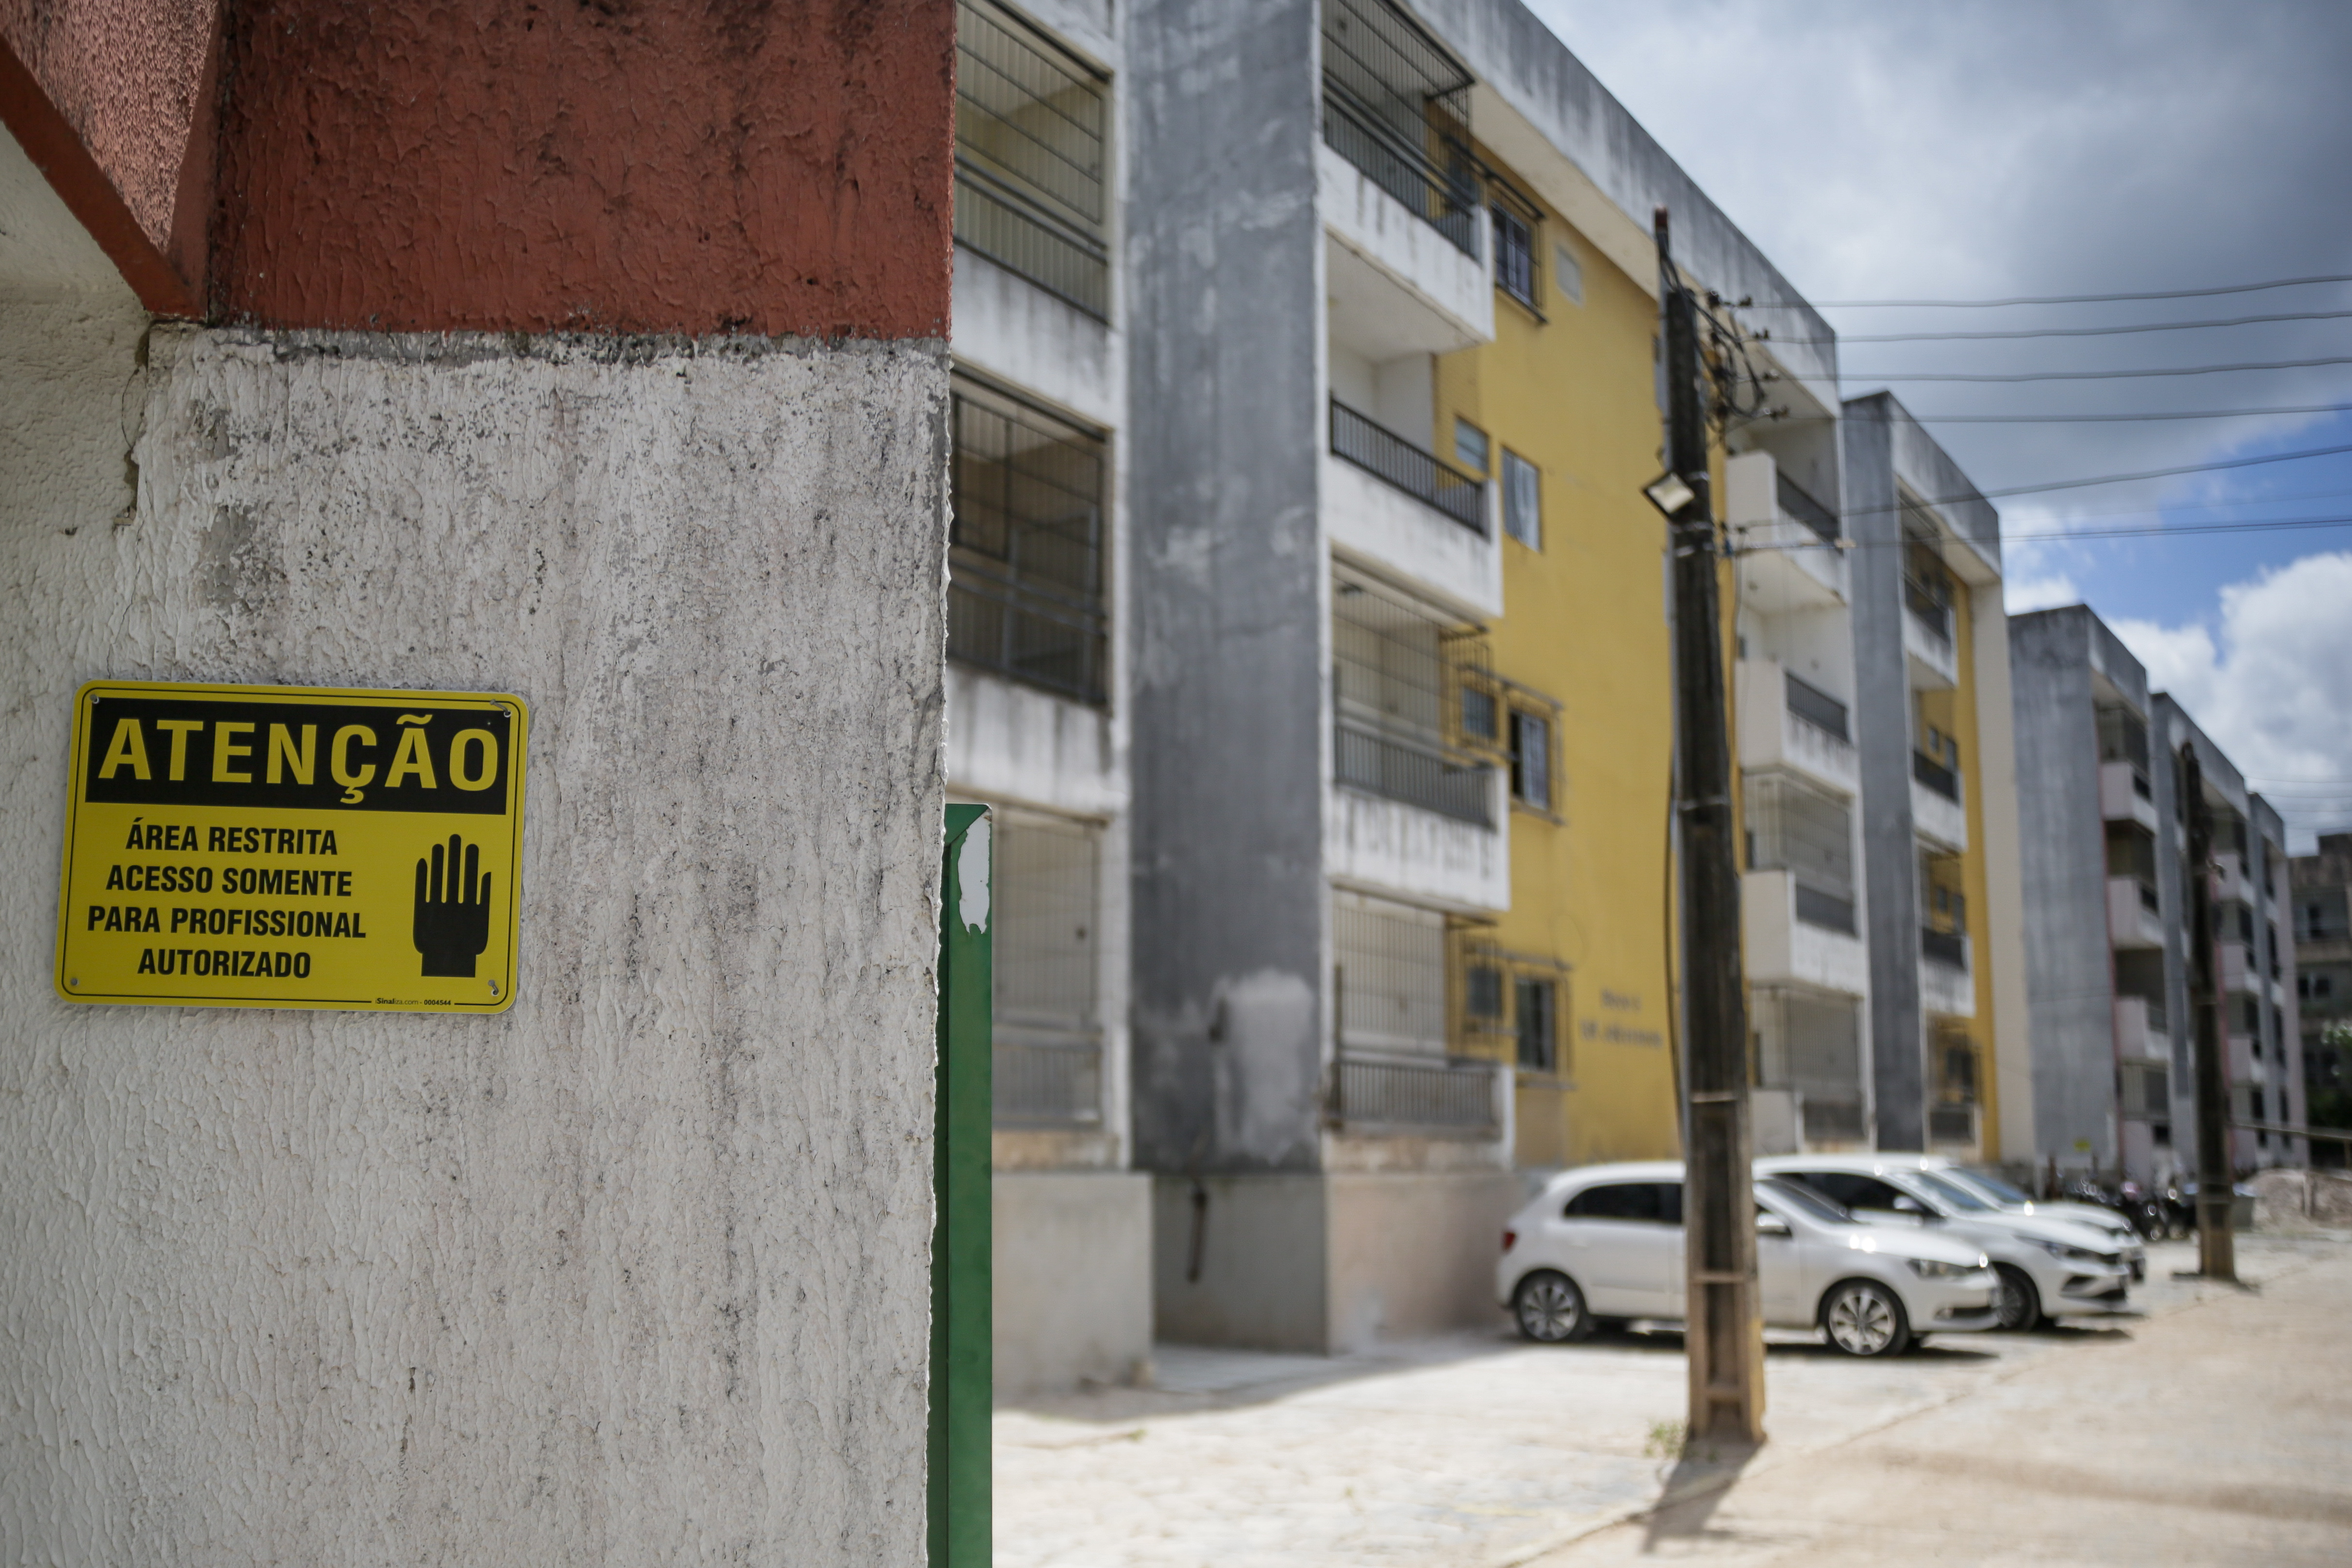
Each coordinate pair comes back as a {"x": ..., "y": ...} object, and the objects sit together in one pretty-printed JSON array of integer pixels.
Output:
[
  {"x": 1470, "y": 446},
  {"x": 1048, "y": 1028},
  {"x": 1643, "y": 1202},
  {"x": 1539, "y": 1009},
  {"x": 1522, "y": 500},
  {"x": 1390, "y": 978},
  {"x": 1531, "y": 760},
  {"x": 1030, "y": 124},
  {"x": 1852, "y": 1189},
  {"x": 1515, "y": 255},
  {"x": 1480, "y": 715},
  {"x": 1566, "y": 275},
  {"x": 1483, "y": 994}
]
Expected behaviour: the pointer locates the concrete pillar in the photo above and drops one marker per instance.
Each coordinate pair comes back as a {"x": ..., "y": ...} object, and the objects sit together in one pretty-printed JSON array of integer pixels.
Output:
[{"x": 597, "y": 359}]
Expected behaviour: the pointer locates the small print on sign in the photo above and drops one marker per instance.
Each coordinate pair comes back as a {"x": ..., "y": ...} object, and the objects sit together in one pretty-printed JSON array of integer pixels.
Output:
[{"x": 292, "y": 847}]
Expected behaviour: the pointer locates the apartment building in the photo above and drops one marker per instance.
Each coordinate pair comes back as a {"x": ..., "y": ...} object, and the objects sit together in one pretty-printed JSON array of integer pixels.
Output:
[
  {"x": 2103, "y": 836},
  {"x": 2321, "y": 891},
  {"x": 1950, "y": 1060},
  {"x": 2254, "y": 959},
  {"x": 1398, "y": 661},
  {"x": 1037, "y": 713}
]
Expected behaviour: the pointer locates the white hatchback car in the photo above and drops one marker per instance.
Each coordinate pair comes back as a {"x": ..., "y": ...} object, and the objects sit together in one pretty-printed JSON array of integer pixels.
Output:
[
  {"x": 2048, "y": 1267},
  {"x": 1605, "y": 1243}
]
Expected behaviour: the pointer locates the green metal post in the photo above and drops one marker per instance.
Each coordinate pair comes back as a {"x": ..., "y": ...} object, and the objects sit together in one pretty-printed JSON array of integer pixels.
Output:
[{"x": 961, "y": 1323}]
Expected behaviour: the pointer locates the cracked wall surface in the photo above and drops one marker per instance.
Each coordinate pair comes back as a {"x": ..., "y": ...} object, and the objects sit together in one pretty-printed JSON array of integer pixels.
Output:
[{"x": 635, "y": 1271}]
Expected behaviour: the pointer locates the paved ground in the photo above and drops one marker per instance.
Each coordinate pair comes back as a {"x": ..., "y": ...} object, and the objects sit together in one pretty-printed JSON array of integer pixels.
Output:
[{"x": 2216, "y": 1427}]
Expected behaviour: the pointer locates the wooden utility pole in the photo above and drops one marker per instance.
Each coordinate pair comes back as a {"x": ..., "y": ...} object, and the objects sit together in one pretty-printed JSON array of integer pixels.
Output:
[
  {"x": 2217, "y": 1246},
  {"x": 1725, "y": 1333}
]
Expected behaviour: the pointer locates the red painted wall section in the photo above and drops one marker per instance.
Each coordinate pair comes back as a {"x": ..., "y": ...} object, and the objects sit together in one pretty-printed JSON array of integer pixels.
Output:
[
  {"x": 777, "y": 167},
  {"x": 112, "y": 99}
]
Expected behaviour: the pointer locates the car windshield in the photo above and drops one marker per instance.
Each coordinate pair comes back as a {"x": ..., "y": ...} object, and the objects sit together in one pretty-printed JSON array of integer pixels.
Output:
[
  {"x": 1994, "y": 1187},
  {"x": 1952, "y": 1192},
  {"x": 1798, "y": 1196}
]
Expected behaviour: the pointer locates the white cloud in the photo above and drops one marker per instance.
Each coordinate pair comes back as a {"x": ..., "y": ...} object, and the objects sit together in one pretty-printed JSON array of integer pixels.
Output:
[
  {"x": 2020, "y": 594},
  {"x": 2274, "y": 685}
]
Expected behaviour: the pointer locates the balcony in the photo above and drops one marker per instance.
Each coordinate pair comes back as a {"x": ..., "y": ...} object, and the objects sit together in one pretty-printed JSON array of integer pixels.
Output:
[
  {"x": 1400, "y": 277},
  {"x": 1046, "y": 1082},
  {"x": 1936, "y": 813},
  {"x": 2140, "y": 1028},
  {"x": 1445, "y": 1097},
  {"x": 2134, "y": 913},
  {"x": 1927, "y": 646},
  {"x": 1391, "y": 503},
  {"x": 1945, "y": 989},
  {"x": 1788, "y": 541},
  {"x": 1952, "y": 1126},
  {"x": 2231, "y": 882},
  {"x": 2125, "y": 795},
  {"x": 1787, "y": 722},
  {"x": 2238, "y": 970},
  {"x": 1800, "y": 934}
]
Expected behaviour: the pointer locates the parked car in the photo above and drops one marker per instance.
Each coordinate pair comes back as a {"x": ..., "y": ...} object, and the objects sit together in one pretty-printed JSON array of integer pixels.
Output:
[
  {"x": 2048, "y": 1268},
  {"x": 1603, "y": 1244},
  {"x": 2008, "y": 1196}
]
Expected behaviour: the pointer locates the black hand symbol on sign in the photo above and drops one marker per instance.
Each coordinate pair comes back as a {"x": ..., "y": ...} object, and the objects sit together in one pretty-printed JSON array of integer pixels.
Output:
[{"x": 453, "y": 922}]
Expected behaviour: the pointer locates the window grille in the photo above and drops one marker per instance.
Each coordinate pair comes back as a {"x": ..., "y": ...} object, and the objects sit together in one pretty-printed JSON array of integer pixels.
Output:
[
  {"x": 1531, "y": 759},
  {"x": 1537, "y": 1004},
  {"x": 1391, "y": 694},
  {"x": 1522, "y": 500},
  {"x": 1511, "y": 1006},
  {"x": 1515, "y": 255},
  {"x": 1031, "y": 123},
  {"x": 1389, "y": 964},
  {"x": 1795, "y": 828},
  {"x": 1397, "y": 106},
  {"x": 1048, "y": 1027},
  {"x": 1026, "y": 561},
  {"x": 1812, "y": 1042}
]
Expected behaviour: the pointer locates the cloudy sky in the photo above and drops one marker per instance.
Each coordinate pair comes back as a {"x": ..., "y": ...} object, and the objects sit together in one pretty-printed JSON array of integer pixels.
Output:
[{"x": 1980, "y": 148}]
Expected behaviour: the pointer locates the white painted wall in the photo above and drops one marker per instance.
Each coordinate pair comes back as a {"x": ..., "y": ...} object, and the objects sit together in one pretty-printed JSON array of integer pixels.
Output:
[
  {"x": 636, "y": 1272},
  {"x": 1379, "y": 845},
  {"x": 1411, "y": 543}
]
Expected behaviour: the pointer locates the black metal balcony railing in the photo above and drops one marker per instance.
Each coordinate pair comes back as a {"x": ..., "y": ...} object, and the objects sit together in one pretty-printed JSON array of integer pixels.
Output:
[
  {"x": 1949, "y": 948},
  {"x": 1952, "y": 1124},
  {"x": 1832, "y": 1121},
  {"x": 1417, "y": 775},
  {"x": 1445, "y": 199},
  {"x": 1452, "y": 1095},
  {"x": 1935, "y": 775},
  {"x": 2147, "y": 895},
  {"x": 2140, "y": 784},
  {"x": 1808, "y": 511},
  {"x": 1022, "y": 237},
  {"x": 1038, "y": 1084},
  {"x": 2156, "y": 1016},
  {"x": 1385, "y": 454},
  {"x": 1818, "y": 708},
  {"x": 1829, "y": 911},
  {"x": 1932, "y": 613},
  {"x": 1014, "y": 628}
]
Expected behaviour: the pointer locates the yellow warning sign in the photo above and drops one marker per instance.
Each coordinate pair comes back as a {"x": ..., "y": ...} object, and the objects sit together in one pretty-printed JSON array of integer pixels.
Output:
[{"x": 292, "y": 847}]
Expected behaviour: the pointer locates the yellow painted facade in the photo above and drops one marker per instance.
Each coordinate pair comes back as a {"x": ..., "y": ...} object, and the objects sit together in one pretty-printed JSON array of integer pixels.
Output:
[
  {"x": 1954, "y": 712},
  {"x": 1569, "y": 387}
]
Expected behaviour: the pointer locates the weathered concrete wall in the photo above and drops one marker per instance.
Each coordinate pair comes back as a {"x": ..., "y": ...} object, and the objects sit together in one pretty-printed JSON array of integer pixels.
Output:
[
  {"x": 1073, "y": 1279},
  {"x": 1242, "y": 1260},
  {"x": 1889, "y": 873},
  {"x": 1229, "y": 620},
  {"x": 2070, "y": 975},
  {"x": 1414, "y": 1254},
  {"x": 634, "y": 1271}
]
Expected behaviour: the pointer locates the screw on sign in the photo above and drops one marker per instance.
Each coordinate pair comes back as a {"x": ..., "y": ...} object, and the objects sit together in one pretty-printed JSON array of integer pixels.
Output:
[{"x": 453, "y": 918}]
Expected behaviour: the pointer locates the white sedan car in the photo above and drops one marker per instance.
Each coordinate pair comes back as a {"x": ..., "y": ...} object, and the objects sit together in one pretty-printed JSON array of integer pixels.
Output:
[
  {"x": 2008, "y": 1196},
  {"x": 1605, "y": 1243},
  {"x": 2048, "y": 1268}
]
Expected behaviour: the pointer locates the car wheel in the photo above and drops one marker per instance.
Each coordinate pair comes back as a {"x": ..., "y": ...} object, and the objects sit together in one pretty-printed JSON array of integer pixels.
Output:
[
  {"x": 1550, "y": 1309},
  {"x": 1863, "y": 1317},
  {"x": 2015, "y": 1302}
]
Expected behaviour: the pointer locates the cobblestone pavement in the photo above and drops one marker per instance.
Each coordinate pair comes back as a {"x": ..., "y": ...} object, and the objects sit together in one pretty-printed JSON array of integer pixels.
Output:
[{"x": 1480, "y": 1452}]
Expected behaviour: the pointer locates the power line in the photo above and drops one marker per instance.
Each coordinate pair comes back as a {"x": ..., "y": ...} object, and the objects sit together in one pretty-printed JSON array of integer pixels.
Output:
[
  {"x": 2157, "y": 531},
  {"x": 2065, "y": 331},
  {"x": 2093, "y": 375},
  {"x": 2051, "y": 299},
  {"x": 2087, "y": 418}
]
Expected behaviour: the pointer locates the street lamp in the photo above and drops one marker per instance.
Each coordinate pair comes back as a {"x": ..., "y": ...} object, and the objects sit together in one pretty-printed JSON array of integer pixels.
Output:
[{"x": 1670, "y": 492}]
